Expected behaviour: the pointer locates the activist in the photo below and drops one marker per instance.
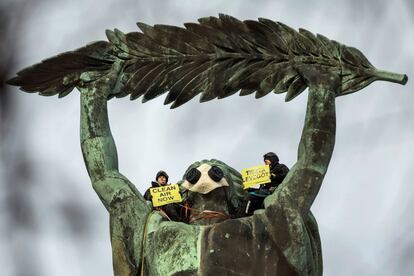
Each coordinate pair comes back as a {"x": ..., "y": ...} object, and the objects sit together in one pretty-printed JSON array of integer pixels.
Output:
[
  {"x": 170, "y": 210},
  {"x": 278, "y": 172},
  {"x": 161, "y": 179}
]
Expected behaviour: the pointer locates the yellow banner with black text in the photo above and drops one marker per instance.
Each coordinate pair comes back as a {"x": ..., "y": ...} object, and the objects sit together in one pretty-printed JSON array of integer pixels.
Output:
[
  {"x": 165, "y": 195},
  {"x": 255, "y": 176}
]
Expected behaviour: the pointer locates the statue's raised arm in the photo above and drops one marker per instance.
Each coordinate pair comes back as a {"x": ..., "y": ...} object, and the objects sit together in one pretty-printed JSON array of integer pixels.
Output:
[
  {"x": 127, "y": 207},
  {"x": 302, "y": 184},
  {"x": 97, "y": 143}
]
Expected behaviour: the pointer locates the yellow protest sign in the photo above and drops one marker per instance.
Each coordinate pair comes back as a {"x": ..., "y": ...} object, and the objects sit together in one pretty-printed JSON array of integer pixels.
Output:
[
  {"x": 255, "y": 175},
  {"x": 165, "y": 195}
]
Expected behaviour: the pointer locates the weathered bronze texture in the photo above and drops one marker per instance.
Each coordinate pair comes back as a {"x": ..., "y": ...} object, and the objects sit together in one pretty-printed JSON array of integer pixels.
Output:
[{"x": 216, "y": 57}]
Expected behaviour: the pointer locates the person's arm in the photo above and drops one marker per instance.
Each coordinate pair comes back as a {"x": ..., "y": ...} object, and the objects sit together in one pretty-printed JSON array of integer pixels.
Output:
[
  {"x": 279, "y": 174},
  {"x": 302, "y": 183}
]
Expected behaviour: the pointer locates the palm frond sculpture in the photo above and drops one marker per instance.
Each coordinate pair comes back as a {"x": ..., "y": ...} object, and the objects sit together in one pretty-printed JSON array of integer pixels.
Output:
[{"x": 216, "y": 57}]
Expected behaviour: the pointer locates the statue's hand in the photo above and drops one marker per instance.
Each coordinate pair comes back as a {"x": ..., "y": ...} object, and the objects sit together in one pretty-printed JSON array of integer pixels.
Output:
[
  {"x": 348, "y": 77},
  {"x": 322, "y": 76},
  {"x": 104, "y": 84}
]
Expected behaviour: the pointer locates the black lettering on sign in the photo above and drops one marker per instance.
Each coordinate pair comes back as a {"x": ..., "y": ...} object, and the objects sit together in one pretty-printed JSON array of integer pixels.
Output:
[
  {"x": 256, "y": 176},
  {"x": 165, "y": 194},
  {"x": 163, "y": 189},
  {"x": 162, "y": 199}
]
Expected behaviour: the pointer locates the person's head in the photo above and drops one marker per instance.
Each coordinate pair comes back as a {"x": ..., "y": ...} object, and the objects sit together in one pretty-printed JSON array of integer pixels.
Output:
[
  {"x": 270, "y": 158},
  {"x": 161, "y": 178},
  {"x": 214, "y": 186}
]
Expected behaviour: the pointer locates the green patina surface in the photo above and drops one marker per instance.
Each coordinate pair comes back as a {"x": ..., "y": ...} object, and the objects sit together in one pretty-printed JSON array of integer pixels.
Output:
[
  {"x": 216, "y": 57},
  {"x": 171, "y": 247}
]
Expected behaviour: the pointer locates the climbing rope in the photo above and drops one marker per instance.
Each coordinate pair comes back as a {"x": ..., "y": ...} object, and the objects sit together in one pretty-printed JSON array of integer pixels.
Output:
[{"x": 196, "y": 214}]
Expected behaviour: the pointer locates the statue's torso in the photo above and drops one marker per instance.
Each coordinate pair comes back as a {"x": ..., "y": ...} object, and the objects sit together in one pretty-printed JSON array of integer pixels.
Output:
[{"x": 233, "y": 247}]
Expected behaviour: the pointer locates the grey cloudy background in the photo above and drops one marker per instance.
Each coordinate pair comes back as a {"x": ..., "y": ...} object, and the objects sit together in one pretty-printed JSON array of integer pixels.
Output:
[{"x": 51, "y": 221}]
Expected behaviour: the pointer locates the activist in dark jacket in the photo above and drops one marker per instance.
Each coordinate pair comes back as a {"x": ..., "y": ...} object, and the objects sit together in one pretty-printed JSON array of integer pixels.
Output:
[
  {"x": 161, "y": 179},
  {"x": 171, "y": 211},
  {"x": 278, "y": 172}
]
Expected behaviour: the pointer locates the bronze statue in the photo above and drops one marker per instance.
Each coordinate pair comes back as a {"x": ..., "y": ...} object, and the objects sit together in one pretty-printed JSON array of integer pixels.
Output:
[{"x": 216, "y": 57}]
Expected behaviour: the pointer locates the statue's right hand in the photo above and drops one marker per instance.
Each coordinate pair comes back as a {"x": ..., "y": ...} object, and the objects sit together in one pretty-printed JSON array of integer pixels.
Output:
[{"x": 324, "y": 76}]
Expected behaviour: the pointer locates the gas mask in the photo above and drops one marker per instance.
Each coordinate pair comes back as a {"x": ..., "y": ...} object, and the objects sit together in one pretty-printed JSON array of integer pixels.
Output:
[{"x": 204, "y": 179}]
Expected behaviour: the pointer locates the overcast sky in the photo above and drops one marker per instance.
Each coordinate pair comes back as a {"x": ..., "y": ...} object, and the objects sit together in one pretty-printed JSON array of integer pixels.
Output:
[{"x": 364, "y": 206}]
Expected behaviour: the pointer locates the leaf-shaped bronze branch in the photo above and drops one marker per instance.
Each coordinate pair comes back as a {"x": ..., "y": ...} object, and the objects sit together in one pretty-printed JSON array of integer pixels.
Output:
[
  {"x": 217, "y": 57},
  {"x": 60, "y": 74}
]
